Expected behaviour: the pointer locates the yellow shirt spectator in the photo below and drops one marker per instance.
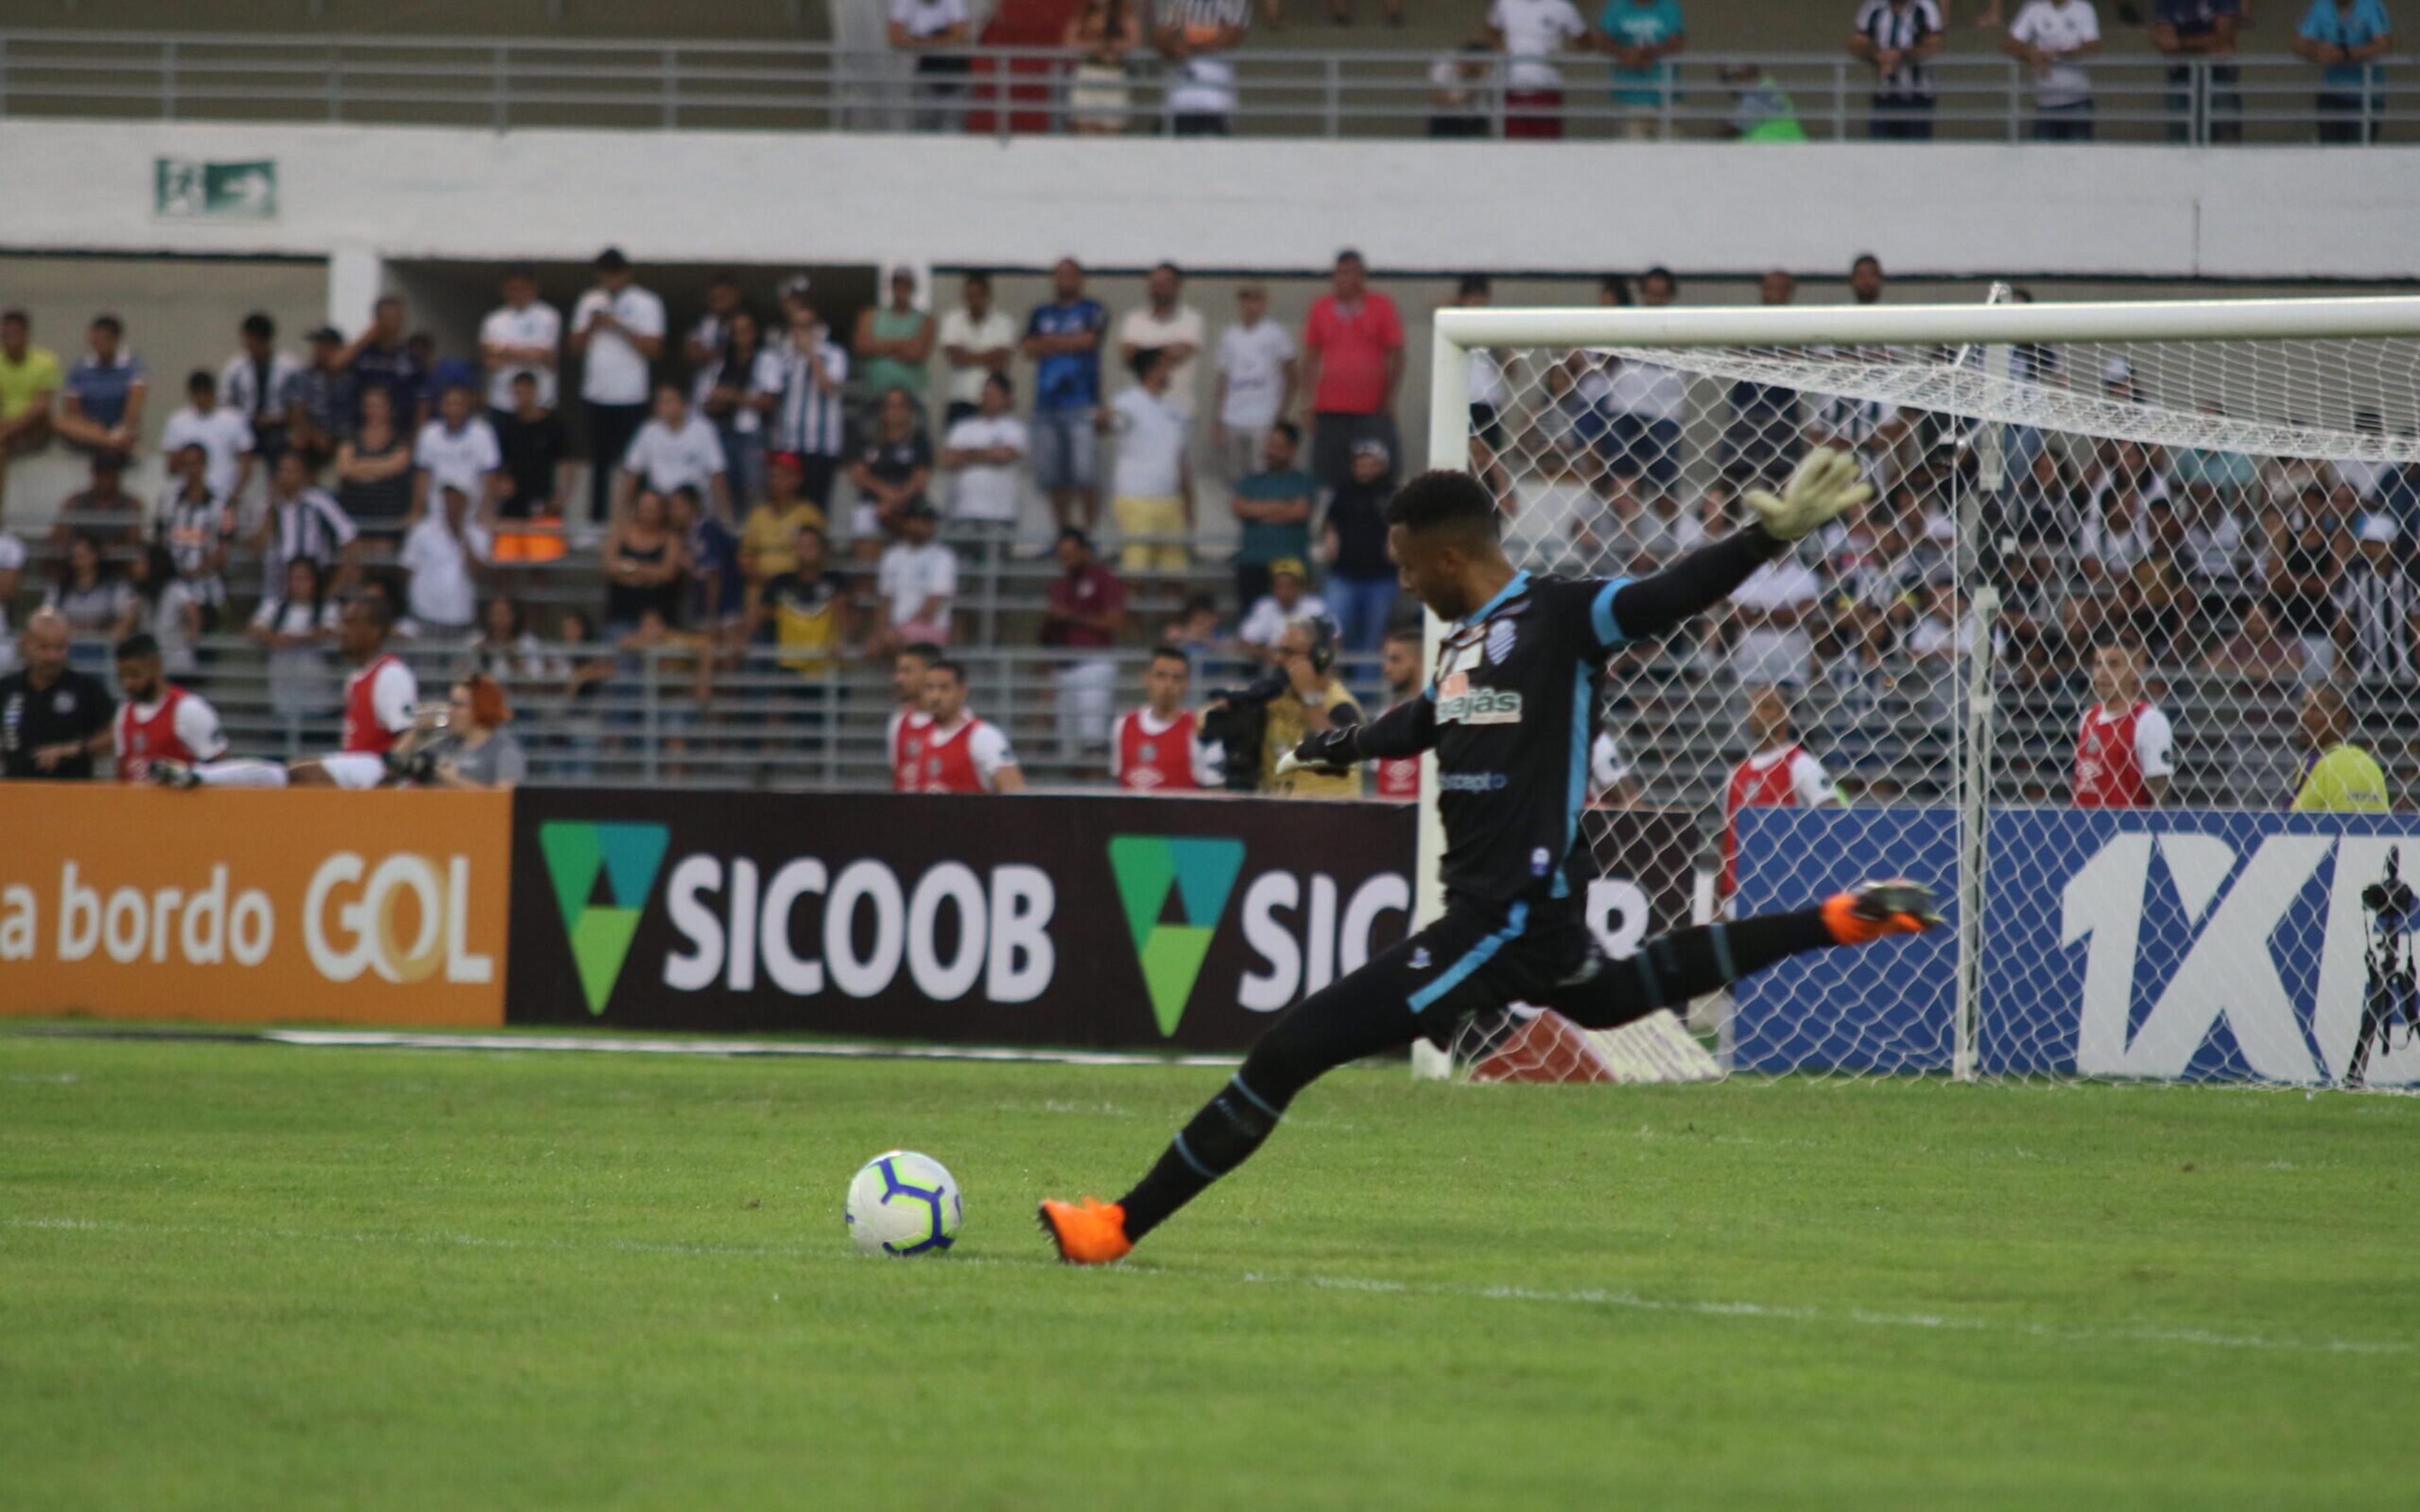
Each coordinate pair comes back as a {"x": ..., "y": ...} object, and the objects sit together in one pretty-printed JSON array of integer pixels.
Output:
[
  {"x": 2344, "y": 779},
  {"x": 28, "y": 380},
  {"x": 765, "y": 540}
]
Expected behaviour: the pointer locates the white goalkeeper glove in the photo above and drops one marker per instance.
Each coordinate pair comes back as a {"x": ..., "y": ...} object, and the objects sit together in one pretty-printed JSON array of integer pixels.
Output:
[
  {"x": 1328, "y": 753},
  {"x": 1827, "y": 485}
]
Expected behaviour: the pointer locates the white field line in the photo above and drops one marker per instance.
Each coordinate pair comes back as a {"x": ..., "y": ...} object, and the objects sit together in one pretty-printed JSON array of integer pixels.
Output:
[
  {"x": 622, "y": 1045},
  {"x": 1626, "y": 1300}
]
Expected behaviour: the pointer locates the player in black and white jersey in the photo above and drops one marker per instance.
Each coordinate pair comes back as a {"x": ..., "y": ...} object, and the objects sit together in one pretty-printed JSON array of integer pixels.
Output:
[{"x": 1509, "y": 712}]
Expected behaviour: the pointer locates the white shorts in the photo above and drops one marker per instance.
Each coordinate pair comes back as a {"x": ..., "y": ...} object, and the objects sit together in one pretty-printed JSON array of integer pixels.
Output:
[{"x": 353, "y": 770}]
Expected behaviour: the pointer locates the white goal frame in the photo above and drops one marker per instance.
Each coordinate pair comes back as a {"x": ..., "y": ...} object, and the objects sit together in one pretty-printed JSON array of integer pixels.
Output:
[{"x": 1457, "y": 332}]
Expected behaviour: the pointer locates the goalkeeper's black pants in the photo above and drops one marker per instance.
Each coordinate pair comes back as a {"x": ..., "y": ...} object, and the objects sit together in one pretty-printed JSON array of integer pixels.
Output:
[{"x": 1475, "y": 959}]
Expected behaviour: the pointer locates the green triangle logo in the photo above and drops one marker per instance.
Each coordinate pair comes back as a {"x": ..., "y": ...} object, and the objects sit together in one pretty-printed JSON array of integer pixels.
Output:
[
  {"x": 626, "y": 857},
  {"x": 1201, "y": 871}
]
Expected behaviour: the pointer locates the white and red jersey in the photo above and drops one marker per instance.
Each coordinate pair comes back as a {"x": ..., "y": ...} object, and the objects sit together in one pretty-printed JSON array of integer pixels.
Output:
[
  {"x": 1783, "y": 777},
  {"x": 2116, "y": 756},
  {"x": 1148, "y": 755},
  {"x": 378, "y": 702},
  {"x": 1398, "y": 776},
  {"x": 966, "y": 757},
  {"x": 180, "y": 727},
  {"x": 905, "y": 741}
]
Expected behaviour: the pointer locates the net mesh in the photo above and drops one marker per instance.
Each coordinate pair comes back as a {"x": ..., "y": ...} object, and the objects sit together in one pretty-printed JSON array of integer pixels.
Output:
[{"x": 2114, "y": 607}]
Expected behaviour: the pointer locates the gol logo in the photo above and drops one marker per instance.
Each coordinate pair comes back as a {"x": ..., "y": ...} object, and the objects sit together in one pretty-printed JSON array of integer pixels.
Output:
[{"x": 402, "y": 920}]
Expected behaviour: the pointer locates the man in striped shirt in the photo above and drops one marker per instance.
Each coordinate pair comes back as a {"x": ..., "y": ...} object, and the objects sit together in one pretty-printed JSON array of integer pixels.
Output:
[
  {"x": 808, "y": 422},
  {"x": 1194, "y": 36},
  {"x": 2378, "y": 606},
  {"x": 1899, "y": 37}
]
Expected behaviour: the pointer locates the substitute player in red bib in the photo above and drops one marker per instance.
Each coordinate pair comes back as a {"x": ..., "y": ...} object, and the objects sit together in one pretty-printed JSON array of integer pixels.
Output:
[
  {"x": 1779, "y": 773},
  {"x": 958, "y": 752},
  {"x": 1158, "y": 748},
  {"x": 380, "y": 705},
  {"x": 2122, "y": 747},
  {"x": 1399, "y": 776},
  {"x": 904, "y": 740},
  {"x": 158, "y": 720}
]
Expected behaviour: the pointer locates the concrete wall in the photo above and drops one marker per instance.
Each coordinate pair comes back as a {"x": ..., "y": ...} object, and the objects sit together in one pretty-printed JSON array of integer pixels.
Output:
[{"x": 1414, "y": 206}]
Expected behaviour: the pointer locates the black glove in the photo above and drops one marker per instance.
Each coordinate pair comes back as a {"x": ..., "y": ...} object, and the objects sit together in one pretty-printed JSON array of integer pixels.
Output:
[{"x": 1331, "y": 754}]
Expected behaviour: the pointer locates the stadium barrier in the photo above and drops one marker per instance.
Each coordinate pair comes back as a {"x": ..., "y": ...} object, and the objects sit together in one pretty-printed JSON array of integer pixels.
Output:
[
  {"x": 1100, "y": 922},
  {"x": 364, "y": 908},
  {"x": 2195, "y": 945}
]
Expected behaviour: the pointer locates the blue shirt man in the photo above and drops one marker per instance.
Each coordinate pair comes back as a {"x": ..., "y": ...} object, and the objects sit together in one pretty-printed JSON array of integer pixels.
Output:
[
  {"x": 103, "y": 379},
  {"x": 1068, "y": 379},
  {"x": 2347, "y": 26}
]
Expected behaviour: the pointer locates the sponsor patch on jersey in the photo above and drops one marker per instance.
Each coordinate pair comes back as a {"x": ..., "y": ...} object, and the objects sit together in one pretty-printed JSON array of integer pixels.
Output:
[
  {"x": 1499, "y": 640},
  {"x": 1478, "y": 705},
  {"x": 1474, "y": 782}
]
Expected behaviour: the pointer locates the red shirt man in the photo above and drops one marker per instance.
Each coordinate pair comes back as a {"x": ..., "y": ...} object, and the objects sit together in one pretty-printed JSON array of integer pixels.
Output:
[
  {"x": 2123, "y": 745},
  {"x": 958, "y": 752},
  {"x": 1087, "y": 601},
  {"x": 1781, "y": 774},
  {"x": 158, "y": 720},
  {"x": 1156, "y": 749},
  {"x": 1353, "y": 342}
]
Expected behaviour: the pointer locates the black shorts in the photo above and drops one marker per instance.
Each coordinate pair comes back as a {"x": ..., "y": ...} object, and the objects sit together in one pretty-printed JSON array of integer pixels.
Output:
[{"x": 1481, "y": 956}]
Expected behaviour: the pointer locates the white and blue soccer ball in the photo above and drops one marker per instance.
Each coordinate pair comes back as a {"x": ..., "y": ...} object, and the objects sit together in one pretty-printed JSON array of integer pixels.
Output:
[{"x": 903, "y": 1203}]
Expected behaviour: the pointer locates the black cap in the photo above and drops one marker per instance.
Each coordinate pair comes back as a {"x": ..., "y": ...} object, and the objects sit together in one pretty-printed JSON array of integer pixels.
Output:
[
  {"x": 326, "y": 333},
  {"x": 612, "y": 261}
]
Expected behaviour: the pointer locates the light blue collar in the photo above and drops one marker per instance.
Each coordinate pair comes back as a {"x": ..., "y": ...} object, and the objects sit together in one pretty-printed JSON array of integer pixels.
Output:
[{"x": 1520, "y": 581}]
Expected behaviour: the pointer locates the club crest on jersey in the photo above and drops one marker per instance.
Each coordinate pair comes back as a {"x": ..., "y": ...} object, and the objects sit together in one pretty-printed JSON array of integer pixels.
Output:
[
  {"x": 1499, "y": 640},
  {"x": 1459, "y": 703}
]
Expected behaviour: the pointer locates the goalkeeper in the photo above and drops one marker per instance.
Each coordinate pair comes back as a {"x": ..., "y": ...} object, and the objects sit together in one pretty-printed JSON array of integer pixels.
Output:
[{"x": 1509, "y": 712}]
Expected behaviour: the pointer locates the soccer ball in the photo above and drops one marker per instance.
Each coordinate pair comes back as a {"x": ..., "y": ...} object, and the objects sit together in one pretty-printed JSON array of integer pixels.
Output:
[{"x": 903, "y": 1203}]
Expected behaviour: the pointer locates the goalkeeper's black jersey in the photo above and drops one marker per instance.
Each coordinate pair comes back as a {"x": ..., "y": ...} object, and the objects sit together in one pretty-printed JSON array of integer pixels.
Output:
[{"x": 1513, "y": 701}]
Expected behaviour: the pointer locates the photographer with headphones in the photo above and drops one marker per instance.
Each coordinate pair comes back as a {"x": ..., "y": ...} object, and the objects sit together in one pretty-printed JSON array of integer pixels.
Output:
[{"x": 1311, "y": 702}]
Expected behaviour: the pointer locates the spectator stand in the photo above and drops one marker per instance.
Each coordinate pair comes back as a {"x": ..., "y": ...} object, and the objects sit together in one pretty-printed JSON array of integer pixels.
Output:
[{"x": 1282, "y": 90}]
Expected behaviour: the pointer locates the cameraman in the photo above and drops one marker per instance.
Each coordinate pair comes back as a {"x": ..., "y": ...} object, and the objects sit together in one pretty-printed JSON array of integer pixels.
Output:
[
  {"x": 1311, "y": 702},
  {"x": 1255, "y": 725}
]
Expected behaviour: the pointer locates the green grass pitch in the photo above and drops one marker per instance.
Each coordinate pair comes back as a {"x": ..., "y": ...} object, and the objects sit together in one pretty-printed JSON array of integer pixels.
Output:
[{"x": 254, "y": 1276}]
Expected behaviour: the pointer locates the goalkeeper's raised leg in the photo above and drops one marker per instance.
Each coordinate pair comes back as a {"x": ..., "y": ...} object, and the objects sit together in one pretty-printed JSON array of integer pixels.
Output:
[{"x": 1510, "y": 711}]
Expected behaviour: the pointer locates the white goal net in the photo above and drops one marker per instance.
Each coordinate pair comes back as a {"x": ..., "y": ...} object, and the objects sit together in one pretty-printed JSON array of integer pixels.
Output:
[{"x": 2121, "y": 661}]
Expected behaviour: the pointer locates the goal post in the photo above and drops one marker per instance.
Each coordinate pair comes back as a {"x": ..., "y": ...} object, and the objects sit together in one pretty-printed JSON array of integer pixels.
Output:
[{"x": 2201, "y": 499}]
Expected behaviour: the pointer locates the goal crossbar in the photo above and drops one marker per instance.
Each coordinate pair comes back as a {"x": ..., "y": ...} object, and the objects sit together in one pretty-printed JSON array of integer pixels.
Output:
[{"x": 1799, "y": 324}]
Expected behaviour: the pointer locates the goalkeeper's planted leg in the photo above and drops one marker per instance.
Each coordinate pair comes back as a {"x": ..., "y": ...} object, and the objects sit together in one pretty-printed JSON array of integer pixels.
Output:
[{"x": 1469, "y": 960}]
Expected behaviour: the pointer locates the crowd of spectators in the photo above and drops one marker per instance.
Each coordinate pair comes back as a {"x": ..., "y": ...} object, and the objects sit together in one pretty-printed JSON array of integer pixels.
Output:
[
  {"x": 719, "y": 458},
  {"x": 1510, "y": 78},
  {"x": 769, "y": 483}
]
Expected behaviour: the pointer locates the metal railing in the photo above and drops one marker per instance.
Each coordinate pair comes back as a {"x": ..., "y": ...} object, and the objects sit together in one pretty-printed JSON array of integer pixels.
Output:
[{"x": 510, "y": 84}]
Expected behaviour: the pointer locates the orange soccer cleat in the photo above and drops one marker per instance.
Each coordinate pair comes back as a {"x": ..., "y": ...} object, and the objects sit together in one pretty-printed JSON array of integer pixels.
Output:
[
  {"x": 1087, "y": 1233},
  {"x": 1874, "y": 910}
]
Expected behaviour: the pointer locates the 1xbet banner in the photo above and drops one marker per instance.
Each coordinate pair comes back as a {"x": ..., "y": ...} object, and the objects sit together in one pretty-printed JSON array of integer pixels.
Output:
[
  {"x": 1050, "y": 920},
  {"x": 2190, "y": 945}
]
